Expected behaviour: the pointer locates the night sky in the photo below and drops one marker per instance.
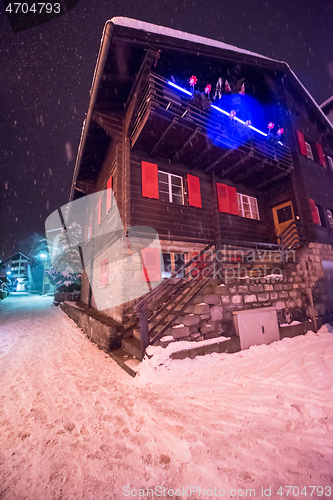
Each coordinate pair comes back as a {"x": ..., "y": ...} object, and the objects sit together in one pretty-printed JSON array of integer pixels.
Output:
[{"x": 46, "y": 74}]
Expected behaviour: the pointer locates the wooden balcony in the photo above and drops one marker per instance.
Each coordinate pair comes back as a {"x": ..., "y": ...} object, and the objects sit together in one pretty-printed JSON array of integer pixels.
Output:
[{"x": 168, "y": 125}]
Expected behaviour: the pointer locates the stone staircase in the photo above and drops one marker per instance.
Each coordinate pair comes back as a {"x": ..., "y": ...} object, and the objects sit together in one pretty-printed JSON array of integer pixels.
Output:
[{"x": 202, "y": 318}]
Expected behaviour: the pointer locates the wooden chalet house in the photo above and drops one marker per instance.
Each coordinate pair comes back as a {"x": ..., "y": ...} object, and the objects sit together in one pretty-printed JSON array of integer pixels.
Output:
[
  {"x": 211, "y": 146},
  {"x": 327, "y": 108}
]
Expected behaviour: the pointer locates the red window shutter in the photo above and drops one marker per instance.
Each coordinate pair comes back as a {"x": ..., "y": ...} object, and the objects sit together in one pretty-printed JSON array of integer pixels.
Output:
[
  {"x": 194, "y": 193},
  {"x": 99, "y": 210},
  {"x": 223, "y": 198},
  {"x": 109, "y": 194},
  {"x": 149, "y": 180},
  {"x": 321, "y": 155},
  {"x": 233, "y": 200},
  {"x": 104, "y": 272},
  {"x": 314, "y": 212},
  {"x": 151, "y": 269},
  {"x": 301, "y": 143}
]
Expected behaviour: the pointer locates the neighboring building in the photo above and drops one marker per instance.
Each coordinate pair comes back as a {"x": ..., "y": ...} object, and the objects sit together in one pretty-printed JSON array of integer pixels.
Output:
[
  {"x": 327, "y": 108},
  {"x": 16, "y": 270},
  {"x": 243, "y": 164}
]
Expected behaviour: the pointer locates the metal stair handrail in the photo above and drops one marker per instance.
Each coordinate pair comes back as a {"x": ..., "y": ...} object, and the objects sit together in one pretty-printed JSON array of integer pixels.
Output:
[{"x": 164, "y": 288}]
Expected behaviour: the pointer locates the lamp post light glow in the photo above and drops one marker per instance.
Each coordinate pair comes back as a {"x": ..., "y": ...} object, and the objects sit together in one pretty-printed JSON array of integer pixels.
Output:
[{"x": 43, "y": 256}]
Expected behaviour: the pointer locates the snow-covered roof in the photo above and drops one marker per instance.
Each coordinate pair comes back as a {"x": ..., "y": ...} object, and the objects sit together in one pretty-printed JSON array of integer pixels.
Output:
[
  {"x": 182, "y": 35},
  {"x": 311, "y": 98},
  {"x": 12, "y": 257},
  {"x": 327, "y": 102}
]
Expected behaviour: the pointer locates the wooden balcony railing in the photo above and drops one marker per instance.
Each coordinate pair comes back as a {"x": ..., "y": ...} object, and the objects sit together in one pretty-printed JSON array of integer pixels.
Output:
[{"x": 160, "y": 97}]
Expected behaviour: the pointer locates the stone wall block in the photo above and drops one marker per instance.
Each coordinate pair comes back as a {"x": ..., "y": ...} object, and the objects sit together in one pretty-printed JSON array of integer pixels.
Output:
[
  {"x": 201, "y": 308},
  {"x": 262, "y": 297},
  {"x": 237, "y": 299},
  {"x": 212, "y": 299},
  {"x": 191, "y": 319},
  {"x": 208, "y": 328},
  {"x": 225, "y": 299},
  {"x": 250, "y": 298},
  {"x": 180, "y": 331},
  {"x": 216, "y": 313},
  {"x": 221, "y": 290},
  {"x": 256, "y": 288}
]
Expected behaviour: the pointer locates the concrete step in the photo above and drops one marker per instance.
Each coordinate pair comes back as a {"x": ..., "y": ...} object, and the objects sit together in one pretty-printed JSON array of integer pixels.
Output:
[
  {"x": 219, "y": 344},
  {"x": 128, "y": 362},
  {"x": 132, "y": 346}
]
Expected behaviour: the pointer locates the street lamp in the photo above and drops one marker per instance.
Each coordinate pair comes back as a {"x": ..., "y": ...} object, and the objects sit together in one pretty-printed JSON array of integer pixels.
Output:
[{"x": 43, "y": 256}]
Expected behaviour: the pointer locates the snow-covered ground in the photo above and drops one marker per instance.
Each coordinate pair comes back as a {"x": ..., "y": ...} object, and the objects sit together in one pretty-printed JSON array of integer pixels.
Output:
[{"x": 75, "y": 426}]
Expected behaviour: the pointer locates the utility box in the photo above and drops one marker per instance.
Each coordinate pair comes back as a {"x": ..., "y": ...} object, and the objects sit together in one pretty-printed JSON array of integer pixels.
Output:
[{"x": 256, "y": 326}]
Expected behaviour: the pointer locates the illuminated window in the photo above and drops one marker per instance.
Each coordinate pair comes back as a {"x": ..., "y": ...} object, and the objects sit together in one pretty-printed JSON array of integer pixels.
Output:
[
  {"x": 172, "y": 263},
  {"x": 247, "y": 206}
]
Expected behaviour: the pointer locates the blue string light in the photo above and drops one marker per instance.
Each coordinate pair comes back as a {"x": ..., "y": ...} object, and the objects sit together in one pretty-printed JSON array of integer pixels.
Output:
[{"x": 187, "y": 92}]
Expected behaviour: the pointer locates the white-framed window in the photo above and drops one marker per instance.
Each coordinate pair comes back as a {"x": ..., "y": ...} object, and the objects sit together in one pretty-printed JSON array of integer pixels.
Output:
[
  {"x": 170, "y": 187},
  {"x": 330, "y": 217},
  {"x": 309, "y": 151},
  {"x": 172, "y": 262},
  {"x": 330, "y": 162},
  {"x": 248, "y": 206}
]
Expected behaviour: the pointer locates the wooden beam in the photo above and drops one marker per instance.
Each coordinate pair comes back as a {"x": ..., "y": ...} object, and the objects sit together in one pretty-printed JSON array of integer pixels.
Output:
[
  {"x": 169, "y": 127},
  {"x": 249, "y": 171},
  {"x": 85, "y": 186},
  {"x": 235, "y": 165},
  {"x": 134, "y": 99},
  {"x": 201, "y": 155},
  {"x": 239, "y": 162},
  {"x": 220, "y": 158},
  {"x": 273, "y": 179},
  {"x": 188, "y": 140}
]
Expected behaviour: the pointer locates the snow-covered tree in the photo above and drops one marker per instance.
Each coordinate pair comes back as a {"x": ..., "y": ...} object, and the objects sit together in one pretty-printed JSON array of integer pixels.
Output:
[{"x": 66, "y": 269}]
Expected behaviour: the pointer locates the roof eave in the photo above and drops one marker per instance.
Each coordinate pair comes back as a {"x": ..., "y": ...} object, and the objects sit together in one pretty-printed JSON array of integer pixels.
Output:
[{"x": 98, "y": 73}]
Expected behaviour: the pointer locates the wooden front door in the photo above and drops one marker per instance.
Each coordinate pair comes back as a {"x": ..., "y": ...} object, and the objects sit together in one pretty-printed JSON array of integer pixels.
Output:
[{"x": 283, "y": 215}]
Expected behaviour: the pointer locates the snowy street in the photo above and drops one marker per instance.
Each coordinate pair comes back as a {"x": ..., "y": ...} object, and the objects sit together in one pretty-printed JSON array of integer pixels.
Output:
[{"x": 74, "y": 425}]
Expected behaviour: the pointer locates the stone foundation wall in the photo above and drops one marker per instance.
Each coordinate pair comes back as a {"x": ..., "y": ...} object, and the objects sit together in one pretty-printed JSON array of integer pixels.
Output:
[
  {"x": 300, "y": 294},
  {"x": 104, "y": 332}
]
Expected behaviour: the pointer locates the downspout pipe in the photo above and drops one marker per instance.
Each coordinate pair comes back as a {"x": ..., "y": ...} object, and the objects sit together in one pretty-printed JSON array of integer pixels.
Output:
[{"x": 99, "y": 70}]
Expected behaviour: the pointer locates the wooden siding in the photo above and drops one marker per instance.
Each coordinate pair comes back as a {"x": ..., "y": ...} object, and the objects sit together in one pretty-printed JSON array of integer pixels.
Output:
[
  {"x": 171, "y": 221},
  {"x": 112, "y": 165},
  {"x": 181, "y": 222},
  {"x": 310, "y": 179}
]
